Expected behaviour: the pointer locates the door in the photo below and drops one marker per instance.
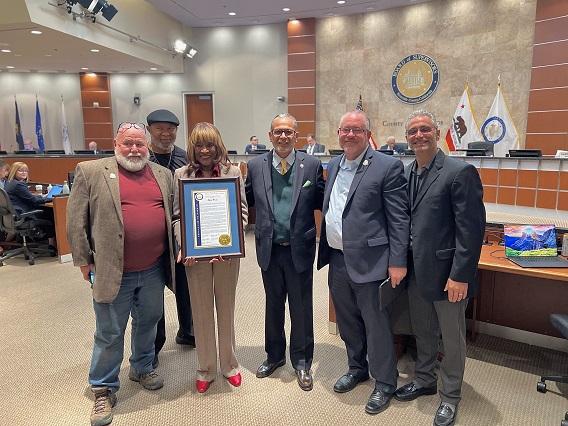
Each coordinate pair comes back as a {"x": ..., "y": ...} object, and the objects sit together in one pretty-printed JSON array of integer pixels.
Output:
[{"x": 198, "y": 108}]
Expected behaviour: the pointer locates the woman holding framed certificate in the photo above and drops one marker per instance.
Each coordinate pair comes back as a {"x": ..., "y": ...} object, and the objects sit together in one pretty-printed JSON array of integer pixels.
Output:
[{"x": 212, "y": 279}]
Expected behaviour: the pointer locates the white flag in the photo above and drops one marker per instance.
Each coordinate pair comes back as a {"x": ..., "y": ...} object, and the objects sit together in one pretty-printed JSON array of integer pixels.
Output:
[
  {"x": 65, "y": 130},
  {"x": 498, "y": 127},
  {"x": 463, "y": 128}
]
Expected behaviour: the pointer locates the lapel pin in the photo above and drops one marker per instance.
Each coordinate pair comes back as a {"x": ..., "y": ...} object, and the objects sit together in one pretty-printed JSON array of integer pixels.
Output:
[
  {"x": 366, "y": 162},
  {"x": 112, "y": 176},
  {"x": 301, "y": 166}
]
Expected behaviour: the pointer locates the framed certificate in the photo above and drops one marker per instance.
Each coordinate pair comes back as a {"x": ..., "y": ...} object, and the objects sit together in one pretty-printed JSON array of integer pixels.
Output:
[{"x": 211, "y": 218}]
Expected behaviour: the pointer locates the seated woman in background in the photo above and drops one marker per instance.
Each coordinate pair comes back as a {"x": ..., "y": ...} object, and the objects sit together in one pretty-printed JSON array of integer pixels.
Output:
[
  {"x": 17, "y": 188},
  {"x": 212, "y": 284}
]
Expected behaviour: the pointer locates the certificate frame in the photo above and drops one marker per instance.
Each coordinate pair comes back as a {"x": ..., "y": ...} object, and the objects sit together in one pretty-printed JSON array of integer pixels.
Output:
[{"x": 200, "y": 238}]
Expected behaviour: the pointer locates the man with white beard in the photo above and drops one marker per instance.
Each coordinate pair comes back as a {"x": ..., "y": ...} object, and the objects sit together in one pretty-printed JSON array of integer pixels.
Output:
[{"x": 119, "y": 229}]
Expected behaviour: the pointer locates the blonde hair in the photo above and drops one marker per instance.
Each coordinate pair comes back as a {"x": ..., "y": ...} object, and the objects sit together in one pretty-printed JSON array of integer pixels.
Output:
[
  {"x": 203, "y": 133},
  {"x": 15, "y": 167}
]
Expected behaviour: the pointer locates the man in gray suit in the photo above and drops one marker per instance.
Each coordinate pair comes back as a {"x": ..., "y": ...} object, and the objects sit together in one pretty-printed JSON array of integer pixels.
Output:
[
  {"x": 448, "y": 224},
  {"x": 364, "y": 239},
  {"x": 286, "y": 186},
  {"x": 119, "y": 222},
  {"x": 312, "y": 147}
]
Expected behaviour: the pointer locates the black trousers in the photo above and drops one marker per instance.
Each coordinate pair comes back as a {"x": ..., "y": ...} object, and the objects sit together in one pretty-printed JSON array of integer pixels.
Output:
[
  {"x": 281, "y": 280},
  {"x": 183, "y": 304},
  {"x": 363, "y": 327}
]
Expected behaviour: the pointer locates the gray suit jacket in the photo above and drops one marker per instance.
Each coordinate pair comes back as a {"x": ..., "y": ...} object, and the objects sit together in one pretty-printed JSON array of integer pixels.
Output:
[
  {"x": 94, "y": 222},
  {"x": 448, "y": 225},
  {"x": 307, "y": 196},
  {"x": 375, "y": 219}
]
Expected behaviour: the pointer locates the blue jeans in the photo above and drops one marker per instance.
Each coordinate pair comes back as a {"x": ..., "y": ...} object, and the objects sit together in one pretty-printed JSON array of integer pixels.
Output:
[{"x": 142, "y": 295}]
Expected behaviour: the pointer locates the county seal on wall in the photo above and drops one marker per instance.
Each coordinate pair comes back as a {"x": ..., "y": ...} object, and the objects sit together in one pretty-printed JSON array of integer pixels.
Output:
[{"x": 415, "y": 78}]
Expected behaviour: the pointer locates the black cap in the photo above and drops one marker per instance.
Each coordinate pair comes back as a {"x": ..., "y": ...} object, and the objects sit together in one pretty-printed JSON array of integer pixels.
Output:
[{"x": 162, "y": 116}]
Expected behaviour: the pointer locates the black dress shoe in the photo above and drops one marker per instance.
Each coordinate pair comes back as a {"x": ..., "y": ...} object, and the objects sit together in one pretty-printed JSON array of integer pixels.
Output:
[
  {"x": 305, "y": 379},
  {"x": 267, "y": 368},
  {"x": 348, "y": 381},
  {"x": 411, "y": 391},
  {"x": 378, "y": 402},
  {"x": 446, "y": 415},
  {"x": 185, "y": 339}
]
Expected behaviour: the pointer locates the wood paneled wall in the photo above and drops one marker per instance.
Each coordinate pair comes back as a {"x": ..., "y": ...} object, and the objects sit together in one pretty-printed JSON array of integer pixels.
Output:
[
  {"x": 302, "y": 76},
  {"x": 97, "y": 120},
  {"x": 547, "y": 123}
]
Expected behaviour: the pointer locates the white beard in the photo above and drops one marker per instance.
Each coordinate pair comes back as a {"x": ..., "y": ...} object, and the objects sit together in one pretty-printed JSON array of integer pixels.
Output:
[{"x": 132, "y": 163}]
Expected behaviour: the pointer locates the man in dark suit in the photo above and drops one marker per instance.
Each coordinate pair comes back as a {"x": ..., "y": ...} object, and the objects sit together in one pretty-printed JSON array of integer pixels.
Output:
[
  {"x": 312, "y": 147},
  {"x": 253, "y": 145},
  {"x": 398, "y": 148},
  {"x": 286, "y": 186},
  {"x": 448, "y": 224},
  {"x": 364, "y": 239}
]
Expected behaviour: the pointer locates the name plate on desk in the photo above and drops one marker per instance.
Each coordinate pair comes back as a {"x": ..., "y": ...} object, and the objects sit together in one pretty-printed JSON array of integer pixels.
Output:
[{"x": 211, "y": 218}]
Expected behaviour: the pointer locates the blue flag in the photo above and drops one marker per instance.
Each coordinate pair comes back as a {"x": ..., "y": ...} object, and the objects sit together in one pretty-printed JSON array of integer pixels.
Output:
[
  {"x": 39, "y": 133},
  {"x": 19, "y": 137}
]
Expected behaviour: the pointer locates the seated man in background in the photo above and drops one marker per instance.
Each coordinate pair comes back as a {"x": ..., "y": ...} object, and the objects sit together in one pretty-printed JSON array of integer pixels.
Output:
[
  {"x": 4, "y": 170},
  {"x": 312, "y": 147},
  {"x": 93, "y": 147},
  {"x": 119, "y": 221},
  {"x": 253, "y": 145},
  {"x": 391, "y": 144}
]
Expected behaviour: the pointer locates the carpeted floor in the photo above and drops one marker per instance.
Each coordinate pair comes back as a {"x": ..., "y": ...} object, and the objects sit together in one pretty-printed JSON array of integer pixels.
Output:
[{"x": 46, "y": 334}]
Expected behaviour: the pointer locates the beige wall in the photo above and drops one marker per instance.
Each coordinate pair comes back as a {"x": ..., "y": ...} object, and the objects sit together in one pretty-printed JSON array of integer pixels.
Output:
[{"x": 474, "y": 40}]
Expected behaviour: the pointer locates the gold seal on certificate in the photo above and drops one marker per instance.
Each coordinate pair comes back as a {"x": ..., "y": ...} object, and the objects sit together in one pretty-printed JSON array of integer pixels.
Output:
[{"x": 225, "y": 239}]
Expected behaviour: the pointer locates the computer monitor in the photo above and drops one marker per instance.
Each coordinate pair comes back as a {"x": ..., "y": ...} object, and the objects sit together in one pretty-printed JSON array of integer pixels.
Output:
[
  {"x": 3, "y": 153},
  {"x": 334, "y": 152},
  {"x": 55, "y": 151},
  {"x": 487, "y": 146},
  {"x": 473, "y": 152},
  {"x": 386, "y": 151},
  {"x": 25, "y": 152},
  {"x": 232, "y": 152},
  {"x": 84, "y": 152},
  {"x": 259, "y": 151},
  {"x": 523, "y": 153},
  {"x": 54, "y": 191},
  {"x": 408, "y": 152}
]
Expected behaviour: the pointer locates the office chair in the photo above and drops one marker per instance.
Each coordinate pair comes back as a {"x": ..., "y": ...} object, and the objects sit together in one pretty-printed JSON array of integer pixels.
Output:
[
  {"x": 560, "y": 322},
  {"x": 487, "y": 146},
  {"x": 25, "y": 226}
]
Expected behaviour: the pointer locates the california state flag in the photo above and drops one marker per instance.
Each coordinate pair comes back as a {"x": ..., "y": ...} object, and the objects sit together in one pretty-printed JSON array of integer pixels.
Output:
[
  {"x": 463, "y": 128},
  {"x": 499, "y": 128}
]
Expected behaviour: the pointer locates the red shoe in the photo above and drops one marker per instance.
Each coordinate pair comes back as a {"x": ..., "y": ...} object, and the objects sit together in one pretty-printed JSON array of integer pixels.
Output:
[
  {"x": 202, "y": 385},
  {"x": 235, "y": 380}
]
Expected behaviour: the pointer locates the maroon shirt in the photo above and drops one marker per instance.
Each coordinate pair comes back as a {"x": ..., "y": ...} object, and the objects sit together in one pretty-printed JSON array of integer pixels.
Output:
[{"x": 144, "y": 219}]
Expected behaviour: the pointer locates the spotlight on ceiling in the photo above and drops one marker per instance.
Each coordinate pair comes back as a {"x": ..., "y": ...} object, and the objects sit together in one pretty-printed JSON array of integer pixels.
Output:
[
  {"x": 95, "y": 6},
  {"x": 180, "y": 46},
  {"x": 192, "y": 52}
]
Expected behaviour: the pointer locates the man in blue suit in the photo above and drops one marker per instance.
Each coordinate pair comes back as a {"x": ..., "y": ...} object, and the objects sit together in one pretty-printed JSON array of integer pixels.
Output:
[
  {"x": 286, "y": 186},
  {"x": 364, "y": 239}
]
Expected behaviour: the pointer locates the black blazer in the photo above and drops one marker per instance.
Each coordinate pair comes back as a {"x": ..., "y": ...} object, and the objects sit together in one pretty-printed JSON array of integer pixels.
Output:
[
  {"x": 448, "y": 225},
  {"x": 248, "y": 148},
  {"x": 22, "y": 199},
  {"x": 307, "y": 196},
  {"x": 375, "y": 219}
]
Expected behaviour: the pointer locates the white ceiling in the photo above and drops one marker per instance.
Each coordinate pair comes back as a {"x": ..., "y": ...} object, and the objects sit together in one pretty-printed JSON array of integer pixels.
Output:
[
  {"x": 55, "y": 51},
  {"x": 211, "y": 13}
]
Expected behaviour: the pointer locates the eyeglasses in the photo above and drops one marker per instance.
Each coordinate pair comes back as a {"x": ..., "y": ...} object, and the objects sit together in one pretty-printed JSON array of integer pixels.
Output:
[
  {"x": 127, "y": 125},
  {"x": 285, "y": 132},
  {"x": 210, "y": 146},
  {"x": 423, "y": 129},
  {"x": 357, "y": 131}
]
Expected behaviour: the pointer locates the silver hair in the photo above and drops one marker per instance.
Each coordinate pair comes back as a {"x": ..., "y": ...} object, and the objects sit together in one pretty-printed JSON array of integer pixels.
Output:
[
  {"x": 421, "y": 113},
  {"x": 285, "y": 115},
  {"x": 359, "y": 112}
]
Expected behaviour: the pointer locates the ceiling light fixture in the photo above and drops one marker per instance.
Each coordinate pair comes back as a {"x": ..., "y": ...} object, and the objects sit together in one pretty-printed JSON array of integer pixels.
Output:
[
  {"x": 5, "y": 51},
  {"x": 180, "y": 46},
  {"x": 93, "y": 7},
  {"x": 84, "y": 68},
  {"x": 95, "y": 50},
  {"x": 36, "y": 32},
  {"x": 341, "y": 2},
  {"x": 285, "y": 9},
  {"x": 232, "y": 13},
  {"x": 10, "y": 67},
  {"x": 153, "y": 69},
  {"x": 192, "y": 52}
]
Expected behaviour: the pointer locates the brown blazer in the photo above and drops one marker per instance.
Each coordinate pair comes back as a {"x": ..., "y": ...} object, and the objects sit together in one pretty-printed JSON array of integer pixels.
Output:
[
  {"x": 181, "y": 173},
  {"x": 94, "y": 222}
]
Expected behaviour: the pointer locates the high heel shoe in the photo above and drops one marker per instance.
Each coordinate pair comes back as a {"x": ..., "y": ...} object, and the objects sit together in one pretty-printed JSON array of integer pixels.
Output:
[
  {"x": 235, "y": 380},
  {"x": 202, "y": 385}
]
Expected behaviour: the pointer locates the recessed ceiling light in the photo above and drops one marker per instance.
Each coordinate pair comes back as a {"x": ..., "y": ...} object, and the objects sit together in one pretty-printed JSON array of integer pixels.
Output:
[
  {"x": 92, "y": 74},
  {"x": 17, "y": 54},
  {"x": 5, "y": 51},
  {"x": 95, "y": 50},
  {"x": 285, "y": 9},
  {"x": 36, "y": 32},
  {"x": 232, "y": 13},
  {"x": 10, "y": 67},
  {"x": 153, "y": 69},
  {"x": 48, "y": 54},
  {"x": 340, "y": 1},
  {"x": 84, "y": 68}
]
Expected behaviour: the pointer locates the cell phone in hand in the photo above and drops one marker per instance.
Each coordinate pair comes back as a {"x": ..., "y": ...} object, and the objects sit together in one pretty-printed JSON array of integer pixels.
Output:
[{"x": 92, "y": 277}]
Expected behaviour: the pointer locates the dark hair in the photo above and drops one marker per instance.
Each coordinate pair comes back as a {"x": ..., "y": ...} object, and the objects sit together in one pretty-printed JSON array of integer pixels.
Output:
[{"x": 252, "y": 137}]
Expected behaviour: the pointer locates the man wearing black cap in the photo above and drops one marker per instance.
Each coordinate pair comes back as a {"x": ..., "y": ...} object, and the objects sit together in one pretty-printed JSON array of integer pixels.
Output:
[{"x": 162, "y": 126}]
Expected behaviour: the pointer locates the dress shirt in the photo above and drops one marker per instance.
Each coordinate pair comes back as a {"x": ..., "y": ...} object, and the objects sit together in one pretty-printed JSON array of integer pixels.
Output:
[
  {"x": 276, "y": 160},
  {"x": 310, "y": 150},
  {"x": 338, "y": 199}
]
